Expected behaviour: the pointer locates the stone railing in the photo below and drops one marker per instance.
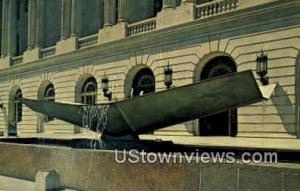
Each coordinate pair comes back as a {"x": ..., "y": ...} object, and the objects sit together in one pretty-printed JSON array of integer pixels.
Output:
[
  {"x": 48, "y": 52},
  {"x": 17, "y": 60},
  {"x": 215, "y": 7},
  {"x": 87, "y": 41},
  {"x": 141, "y": 27}
]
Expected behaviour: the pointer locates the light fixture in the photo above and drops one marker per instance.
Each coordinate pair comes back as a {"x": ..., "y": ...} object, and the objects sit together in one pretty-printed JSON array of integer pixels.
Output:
[
  {"x": 168, "y": 72},
  {"x": 105, "y": 89},
  {"x": 262, "y": 67}
]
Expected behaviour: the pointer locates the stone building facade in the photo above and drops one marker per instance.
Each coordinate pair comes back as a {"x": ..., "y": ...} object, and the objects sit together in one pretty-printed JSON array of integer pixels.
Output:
[{"x": 59, "y": 50}]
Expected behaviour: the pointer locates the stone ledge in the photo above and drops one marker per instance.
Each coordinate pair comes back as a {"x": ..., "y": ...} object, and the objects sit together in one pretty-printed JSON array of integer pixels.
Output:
[
  {"x": 5, "y": 62},
  {"x": 112, "y": 33},
  {"x": 32, "y": 55},
  {"x": 67, "y": 45}
]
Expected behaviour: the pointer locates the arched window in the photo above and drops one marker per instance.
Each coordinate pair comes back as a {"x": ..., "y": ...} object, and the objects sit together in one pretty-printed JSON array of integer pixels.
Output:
[
  {"x": 49, "y": 95},
  {"x": 89, "y": 91},
  {"x": 17, "y": 117},
  {"x": 218, "y": 66},
  {"x": 143, "y": 83}
]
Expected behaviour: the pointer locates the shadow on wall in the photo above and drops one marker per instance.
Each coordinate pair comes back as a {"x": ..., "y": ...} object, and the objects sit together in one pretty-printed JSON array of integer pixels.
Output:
[{"x": 285, "y": 109}]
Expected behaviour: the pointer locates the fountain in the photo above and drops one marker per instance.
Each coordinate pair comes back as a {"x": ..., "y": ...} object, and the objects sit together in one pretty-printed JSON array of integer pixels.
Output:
[{"x": 127, "y": 119}]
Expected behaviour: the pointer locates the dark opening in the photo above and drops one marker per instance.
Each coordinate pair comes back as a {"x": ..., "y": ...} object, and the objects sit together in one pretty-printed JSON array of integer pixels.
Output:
[
  {"x": 158, "y": 4},
  {"x": 26, "y": 6},
  {"x": 117, "y": 11},
  {"x": 225, "y": 123},
  {"x": 18, "y": 9},
  {"x": 17, "y": 114},
  {"x": 18, "y": 45},
  {"x": 143, "y": 83}
]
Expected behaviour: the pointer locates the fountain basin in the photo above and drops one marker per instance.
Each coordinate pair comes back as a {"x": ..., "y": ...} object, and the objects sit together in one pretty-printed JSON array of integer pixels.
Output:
[{"x": 86, "y": 169}]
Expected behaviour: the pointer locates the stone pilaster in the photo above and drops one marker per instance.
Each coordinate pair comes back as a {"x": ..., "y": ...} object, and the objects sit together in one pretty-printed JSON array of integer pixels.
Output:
[
  {"x": 123, "y": 10},
  {"x": 187, "y": 1},
  {"x": 40, "y": 23},
  {"x": 12, "y": 28},
  {"x": 76, "y": 18},
  {"x": 31, "y": 24},
  {"x": 169, "y": 4},
  {"x": 170, "y": 17},
  {"x": 109, "y": 12},
  {"x": 66, "y": 19},
  {"x": 4, "y": 28}
]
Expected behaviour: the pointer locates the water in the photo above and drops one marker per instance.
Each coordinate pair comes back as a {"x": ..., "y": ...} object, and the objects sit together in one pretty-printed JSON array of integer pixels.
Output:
[{"x": 95, "y": 117}]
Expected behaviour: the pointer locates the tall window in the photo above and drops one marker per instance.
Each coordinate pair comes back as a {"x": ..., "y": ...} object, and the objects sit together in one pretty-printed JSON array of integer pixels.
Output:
[
  {"x": 49, "y": 95},
  {"x": 18, "y": 9},
  {"x": 89, "y": 91},
  {"x": 18, "y": 107},
  {"x": 26, "y": 6},
  {"x": 143, "y": 82}
]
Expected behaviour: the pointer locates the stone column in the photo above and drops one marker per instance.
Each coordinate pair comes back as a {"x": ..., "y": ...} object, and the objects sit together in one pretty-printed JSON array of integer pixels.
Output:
[
  {"x": 31, "y": 24},
  {"x": 4, "y": 28},
  {"x": 169, "y": 4},
  {"x": 123, "y": 10},
  {"x": 40, "y": 23},
  {"x": 12, "y": 26},
  {"x": 76, "y": 18},
  {"x": 66, "y": 19},
  {"x": 109, "y": 12}
]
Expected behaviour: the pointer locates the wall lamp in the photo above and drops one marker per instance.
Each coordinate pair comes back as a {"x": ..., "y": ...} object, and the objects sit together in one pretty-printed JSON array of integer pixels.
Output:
[
  {"x": 262, "y": 67},
  {"x": 168, "y": 72},
  {"x": 105, "y": 89}
]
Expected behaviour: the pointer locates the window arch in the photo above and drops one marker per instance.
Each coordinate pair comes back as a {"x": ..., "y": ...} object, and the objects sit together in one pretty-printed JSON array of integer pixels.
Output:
[
  {"x": 18, "y": 110},
  {"x": 89, "y": 91},
  {"x": 49, "y": 95},
  {"x": 143, "y": 82},
  {"x": 218, "y": 66}
]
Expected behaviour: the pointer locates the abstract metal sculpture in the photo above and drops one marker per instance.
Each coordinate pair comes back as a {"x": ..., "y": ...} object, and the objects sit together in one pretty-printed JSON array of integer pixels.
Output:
[{"x": 157, "y": 110}]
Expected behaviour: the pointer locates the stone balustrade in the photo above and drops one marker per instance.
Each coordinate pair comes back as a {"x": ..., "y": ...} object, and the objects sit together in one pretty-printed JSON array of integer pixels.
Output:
[
  {"x": 46, "y": 52},
  {"x": 16, "y": 60},
  {"x": 215, "y": 7},
  {"x": 87, "y": 41},
  {"x": 142, "y": 27}
]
